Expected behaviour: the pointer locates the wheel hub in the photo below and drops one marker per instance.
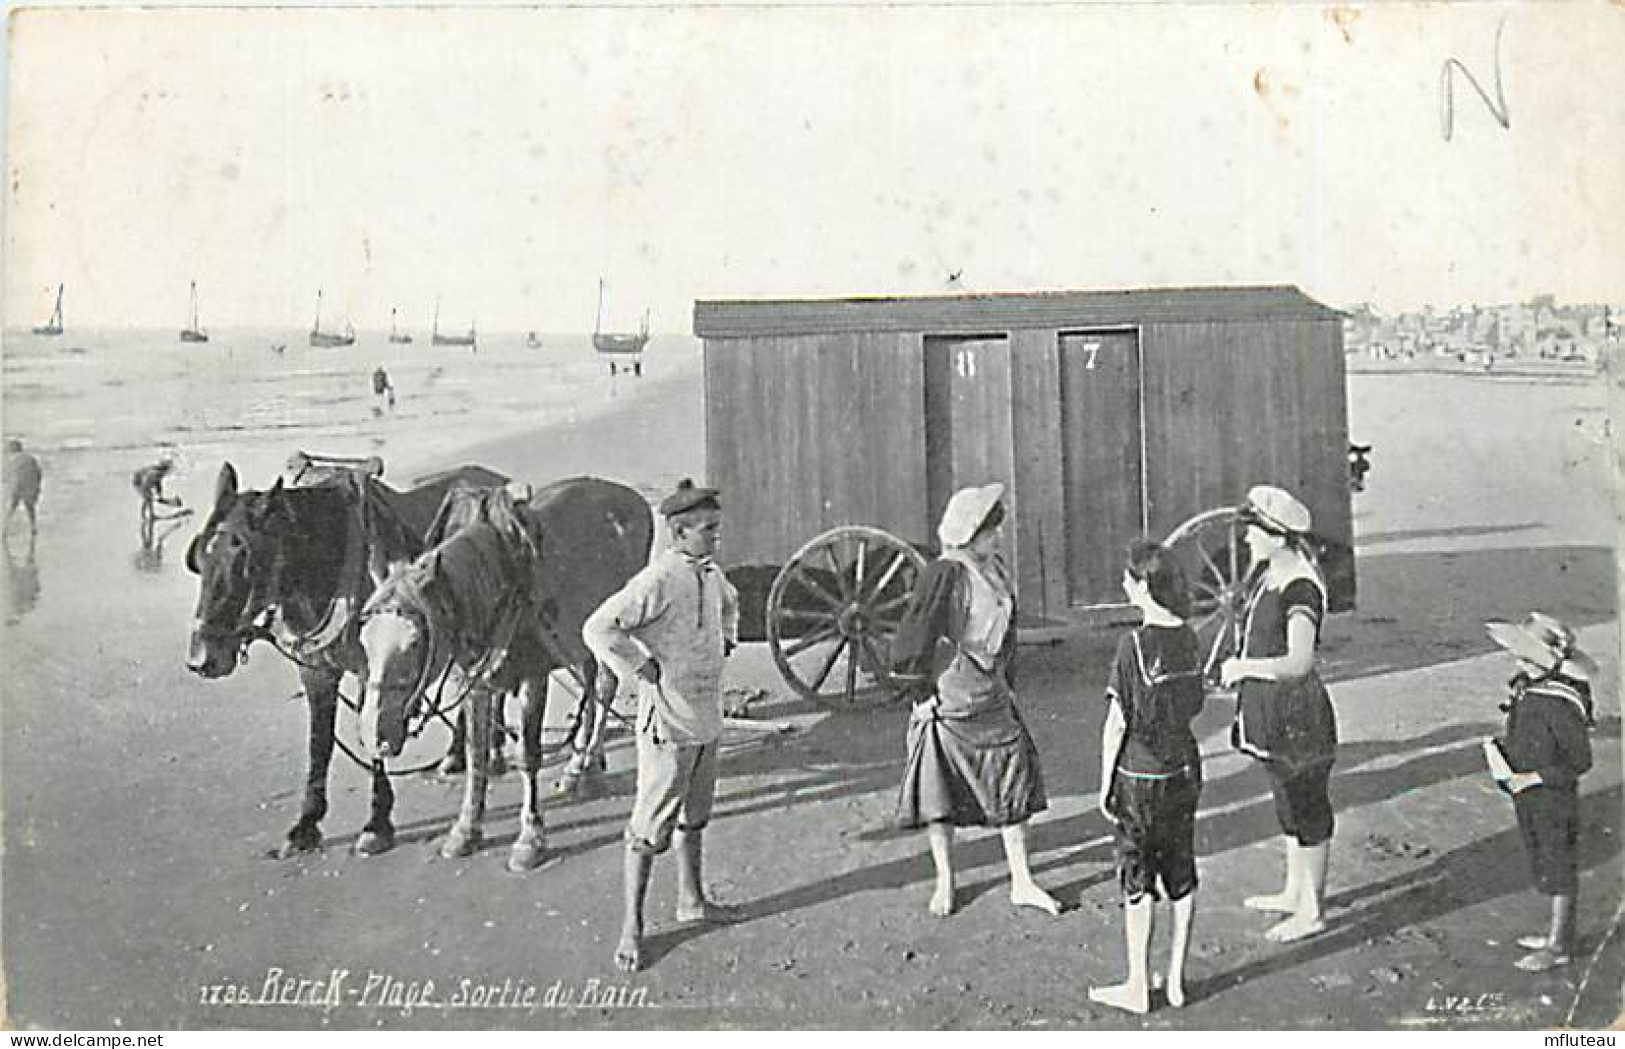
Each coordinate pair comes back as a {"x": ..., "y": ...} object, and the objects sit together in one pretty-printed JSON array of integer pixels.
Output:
[{"x": 853, "y": 621}]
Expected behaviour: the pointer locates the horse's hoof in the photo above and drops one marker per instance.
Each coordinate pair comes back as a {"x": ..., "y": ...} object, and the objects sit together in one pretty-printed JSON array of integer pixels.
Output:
[
  {"x": 453, "y": 765},
  {"x": 301, "y": 839},
  {"x": 292, "y": 848},
  {"x": 498, "y": 765},
  {"x": 373, "y": 842},
  {"x": 526, "y": 856},
  {"x": 459, "y": 844},
  {"x": 573, "y": 784}
]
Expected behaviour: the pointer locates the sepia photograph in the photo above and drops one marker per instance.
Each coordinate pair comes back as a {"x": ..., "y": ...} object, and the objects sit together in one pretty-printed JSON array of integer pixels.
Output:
[{"x": 990, "y": 516}]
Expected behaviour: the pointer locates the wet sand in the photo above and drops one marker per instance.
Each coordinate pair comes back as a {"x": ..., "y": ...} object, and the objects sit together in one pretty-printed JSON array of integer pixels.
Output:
[{"x": 141, "y": 802}]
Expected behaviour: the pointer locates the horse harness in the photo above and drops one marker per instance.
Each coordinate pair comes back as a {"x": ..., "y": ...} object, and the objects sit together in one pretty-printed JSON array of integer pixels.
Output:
[
  {"x": 264, "y": 614},
  {"x": 403, "y": 597}
]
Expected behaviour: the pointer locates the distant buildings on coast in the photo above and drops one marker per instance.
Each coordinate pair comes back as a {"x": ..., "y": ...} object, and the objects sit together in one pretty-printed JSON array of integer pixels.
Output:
[{"x": 1538, "y": 329}]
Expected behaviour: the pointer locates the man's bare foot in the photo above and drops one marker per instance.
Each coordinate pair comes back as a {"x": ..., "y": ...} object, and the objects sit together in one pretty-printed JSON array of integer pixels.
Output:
[
  {"x": 1536, "y": 942},
  {"x": 629, "y": 953},
  {"x": 1124, "y": 996},
  {"x": 705, "y": 912},
  {"x": 1280, "y": 903},
  {"x": 1297, "y": 927},
  {"x": 942, "y": 899},
  {"x": 1030, "y": 895},
  {"x": 1176, "y": 993}
]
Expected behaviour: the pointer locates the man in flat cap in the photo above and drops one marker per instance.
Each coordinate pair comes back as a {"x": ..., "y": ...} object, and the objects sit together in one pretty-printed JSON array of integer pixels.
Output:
[{"x": 669, "y": 629}]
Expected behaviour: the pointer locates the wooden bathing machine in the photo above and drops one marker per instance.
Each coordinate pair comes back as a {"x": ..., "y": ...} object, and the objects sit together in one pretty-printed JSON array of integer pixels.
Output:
[{"x": 1108, "y": 414}]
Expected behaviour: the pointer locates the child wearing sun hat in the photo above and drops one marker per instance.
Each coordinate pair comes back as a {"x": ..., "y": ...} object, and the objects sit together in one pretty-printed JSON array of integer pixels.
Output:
[{"x": 1539, "y": 760}]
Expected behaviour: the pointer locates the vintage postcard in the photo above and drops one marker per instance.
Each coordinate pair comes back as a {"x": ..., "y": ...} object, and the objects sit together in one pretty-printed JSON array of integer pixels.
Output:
[{"x": 1069, "y": 516}]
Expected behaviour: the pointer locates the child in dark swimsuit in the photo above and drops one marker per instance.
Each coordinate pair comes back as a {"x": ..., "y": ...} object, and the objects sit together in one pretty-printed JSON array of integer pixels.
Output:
[
  {"x": 1539, "y": 760},
  {"x": 1150, "y": 770}
]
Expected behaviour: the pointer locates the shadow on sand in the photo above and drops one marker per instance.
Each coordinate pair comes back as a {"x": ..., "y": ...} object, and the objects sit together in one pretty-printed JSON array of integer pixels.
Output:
[{"x": 1421, "y": 610}]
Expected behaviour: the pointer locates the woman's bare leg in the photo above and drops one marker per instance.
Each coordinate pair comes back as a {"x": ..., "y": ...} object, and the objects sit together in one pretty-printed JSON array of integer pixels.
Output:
[
  {"x": 941, "y": 836},
  {"x": 1024, "y": 892},
  {"x": 1306, "y": 919},
  {"x": 1285, "y": 901}
]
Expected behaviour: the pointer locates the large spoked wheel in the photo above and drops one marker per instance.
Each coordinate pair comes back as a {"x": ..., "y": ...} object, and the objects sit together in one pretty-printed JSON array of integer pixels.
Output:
[
  {"x": 1209, "y": 547},
  {"x": 832, "y": 611}
]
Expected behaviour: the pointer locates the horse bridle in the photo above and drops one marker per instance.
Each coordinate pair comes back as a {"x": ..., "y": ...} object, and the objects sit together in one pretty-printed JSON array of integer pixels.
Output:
[
  {"x": 253, "y": 615},
  {"x": 438, "y": 658},
  {"x": 432, "y": 662},
  {"x": 257, "y": 617}
]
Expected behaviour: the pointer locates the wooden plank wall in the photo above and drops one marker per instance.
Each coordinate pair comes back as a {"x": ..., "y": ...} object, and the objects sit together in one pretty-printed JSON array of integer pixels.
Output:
[
  {"x": 1231, "y": 405},
  {"x": 806, "y": 433},
  {"x": 1038, "y": 497},
  {"x": 1103, "y": 471}
]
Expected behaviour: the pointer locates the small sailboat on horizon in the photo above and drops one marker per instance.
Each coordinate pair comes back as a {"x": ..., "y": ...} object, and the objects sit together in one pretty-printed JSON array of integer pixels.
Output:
[
  {"x": 437, "y": 339},
  {"x": 624, "y": 344},
  {"x": 329, "y": 339},
  {"x": 400, "y": 338},
  {"x": 54, "y": 325},
  {"x": 193, "y": 332}
]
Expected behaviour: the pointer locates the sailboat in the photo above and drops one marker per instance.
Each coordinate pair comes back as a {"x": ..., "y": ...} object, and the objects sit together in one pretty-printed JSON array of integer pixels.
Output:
[
  {"x": 437, "y": 339},
  {"x": 323, "y": 338},
  {"x": 619, "y": 344},
  {"x": 193, "y": 332},
  {"x": 395, "y": 334},
  {"x": 532, "y": 340},
  {"x": 54, "y": 325}
]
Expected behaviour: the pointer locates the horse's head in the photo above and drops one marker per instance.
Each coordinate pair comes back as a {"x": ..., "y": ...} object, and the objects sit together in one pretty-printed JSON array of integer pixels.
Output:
[
  {"x": 396, "y": 636},
  {"x": 234, "y": 557}
]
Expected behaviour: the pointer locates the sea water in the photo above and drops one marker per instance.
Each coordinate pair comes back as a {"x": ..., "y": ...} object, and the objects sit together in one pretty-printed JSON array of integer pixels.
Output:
[{"x": 95, "y": 405}]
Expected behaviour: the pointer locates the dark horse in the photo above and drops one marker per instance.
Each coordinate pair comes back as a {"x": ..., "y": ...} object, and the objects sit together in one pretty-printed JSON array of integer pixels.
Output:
[
  {"x": 294, "y": 565},
  {"x": 495, "y": 605}
]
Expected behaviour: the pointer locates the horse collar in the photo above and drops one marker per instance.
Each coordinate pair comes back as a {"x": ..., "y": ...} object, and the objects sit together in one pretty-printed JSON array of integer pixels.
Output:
[{"x": 340, "y": 618}]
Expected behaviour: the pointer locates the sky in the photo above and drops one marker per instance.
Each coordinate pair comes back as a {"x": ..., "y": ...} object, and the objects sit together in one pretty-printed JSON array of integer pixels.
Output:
[{"x": 504, "y": 159}]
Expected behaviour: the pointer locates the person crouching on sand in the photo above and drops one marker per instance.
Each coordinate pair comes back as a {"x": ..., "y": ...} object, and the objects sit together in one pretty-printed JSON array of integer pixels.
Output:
[
  {"x": 670, "y": 628},
  {"x": 148, "y": 483},
  {"x": 971, "y": 762},
  {"x": 1284, "y": 715},
  {"x": 1151, "y": 770},
  {"x": 1539, "y": 760}
]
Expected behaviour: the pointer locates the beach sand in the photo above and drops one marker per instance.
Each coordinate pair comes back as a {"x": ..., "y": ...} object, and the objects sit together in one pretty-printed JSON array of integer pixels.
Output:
[{"x": 141, "y": 802}]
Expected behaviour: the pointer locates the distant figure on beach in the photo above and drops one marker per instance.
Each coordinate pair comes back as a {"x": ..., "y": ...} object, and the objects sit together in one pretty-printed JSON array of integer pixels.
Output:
[
  {"x": 971, "y": 760},
  {"x": 148, "y": 483},
  {"x": 1539, "y": 760},
  {"x": 1284, "y": 715},
  {"x": 22, "y": 485},
  {"x": 382, "y": 388},
  {"x": 1359, "y": 465}
]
